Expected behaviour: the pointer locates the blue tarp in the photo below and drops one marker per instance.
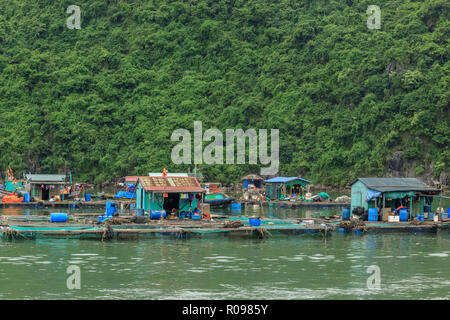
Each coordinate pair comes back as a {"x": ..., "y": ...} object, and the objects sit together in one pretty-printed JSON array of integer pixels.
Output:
[
  {"x": 372, "y": 194},
  {"x": 124, "y": 194}
]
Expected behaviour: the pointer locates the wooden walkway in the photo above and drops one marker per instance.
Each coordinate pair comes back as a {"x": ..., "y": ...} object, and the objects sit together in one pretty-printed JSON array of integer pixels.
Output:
[{"x": 67, "y": 204}]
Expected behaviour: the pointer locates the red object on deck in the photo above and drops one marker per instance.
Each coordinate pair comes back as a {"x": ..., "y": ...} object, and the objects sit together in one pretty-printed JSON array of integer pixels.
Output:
[
  {"x": 12, "y": 199},
  {"x": 206, "y": 216}
]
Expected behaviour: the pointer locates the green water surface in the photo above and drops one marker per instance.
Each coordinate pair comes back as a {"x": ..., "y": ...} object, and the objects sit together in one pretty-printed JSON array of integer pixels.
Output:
[{"x": 412, "y": 266}]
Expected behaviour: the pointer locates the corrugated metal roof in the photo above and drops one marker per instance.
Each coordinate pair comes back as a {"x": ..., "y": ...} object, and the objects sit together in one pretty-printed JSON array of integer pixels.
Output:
[
  {"x": 43, "y": 178},
  {"x": 284, "y": 179},
  {"x": 170, "y": 184},
  {"x": 396, "y": 184}
]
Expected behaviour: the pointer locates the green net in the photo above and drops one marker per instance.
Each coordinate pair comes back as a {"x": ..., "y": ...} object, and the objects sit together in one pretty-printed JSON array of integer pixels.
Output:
[{"x": 51, "y": 229}]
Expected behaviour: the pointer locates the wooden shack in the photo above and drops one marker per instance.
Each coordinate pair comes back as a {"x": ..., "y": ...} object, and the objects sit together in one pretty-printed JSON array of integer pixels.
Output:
[
  {"x": 252, "y": 181},
  {"x": 46, "y": 186},
  {"x": 279, "y": 188},
  {"x": 391, "y": 193},
  {"x": 158, "y": 193}
]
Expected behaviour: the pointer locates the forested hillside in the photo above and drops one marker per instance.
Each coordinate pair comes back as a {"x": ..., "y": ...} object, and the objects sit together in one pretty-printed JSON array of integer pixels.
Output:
[{"x": 105, "y": 99}]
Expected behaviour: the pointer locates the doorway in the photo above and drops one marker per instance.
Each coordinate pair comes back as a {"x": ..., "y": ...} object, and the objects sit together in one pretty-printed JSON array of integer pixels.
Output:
[
  {"x": 172, "y": 201},
  {"x": 46, "y": 193}
]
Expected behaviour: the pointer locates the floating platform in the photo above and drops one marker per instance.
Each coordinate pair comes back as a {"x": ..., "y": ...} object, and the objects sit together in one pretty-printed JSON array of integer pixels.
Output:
[
  {"x": 294, "y": 204},
  {"x": 176, "y": 229},
  {"x": 66, "y": 204},
  {"x": 123, "y": 227},
  {"x": 371, "y": 227}
]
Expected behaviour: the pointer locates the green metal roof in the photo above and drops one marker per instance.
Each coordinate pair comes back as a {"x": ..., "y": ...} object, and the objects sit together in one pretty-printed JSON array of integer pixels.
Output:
[
  {"x": 396, "y": 184},
  {"x": 46, "y": 178}
]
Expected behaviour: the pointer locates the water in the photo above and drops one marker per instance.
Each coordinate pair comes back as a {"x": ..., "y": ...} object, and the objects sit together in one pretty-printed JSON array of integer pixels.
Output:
[{"x": 301, "y": 267}]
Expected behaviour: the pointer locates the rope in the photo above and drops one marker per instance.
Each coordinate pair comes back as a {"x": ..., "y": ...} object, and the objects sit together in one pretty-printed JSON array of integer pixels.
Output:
[
  {"x": 10, "y": 234},
  {"x": 264, "y": 232},
  {"x": 108, "y": 232}
]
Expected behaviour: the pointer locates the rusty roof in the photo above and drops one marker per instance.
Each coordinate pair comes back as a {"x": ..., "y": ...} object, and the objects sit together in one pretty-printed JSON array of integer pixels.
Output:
[
  {"x": 131, "y": 179},
  {"x": 170, "y": 184}
]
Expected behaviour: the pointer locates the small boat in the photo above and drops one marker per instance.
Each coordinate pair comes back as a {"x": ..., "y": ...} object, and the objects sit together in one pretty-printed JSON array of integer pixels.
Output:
[
  {"x": 217, "y": 199},
  {"x": 5, "y": 193},
  {"x": 12, "y": 185},
  {"x": 214, "y": 196}
]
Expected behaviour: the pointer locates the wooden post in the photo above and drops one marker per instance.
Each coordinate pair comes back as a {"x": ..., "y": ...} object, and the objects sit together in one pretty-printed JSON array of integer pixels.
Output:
[
  {"x": 410, "y": 205},
  {"x": 384, "y": 205},
  {"x": 421, "y": 204},
  {"x": 150, "y": 196}
]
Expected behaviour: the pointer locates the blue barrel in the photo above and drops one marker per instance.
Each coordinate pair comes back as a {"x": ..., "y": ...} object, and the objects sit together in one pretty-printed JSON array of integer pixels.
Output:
[
  {"x": 254, "y": 222},
  {"x": 345, "y": 214},
  {"x": 26, "y": 197},
  {"x": 448, "y": 211},
  {"x": 58, "y": 217},
  {"x": 235, "y": 206},
  {"x": 87, "y": 197},
  {"x": 110, "y": 204},
  {"x": 196, "y": 215},
  {"x": 156, "y": 214},
  {"x": 373, "y": 214},
  {"x": 403, "y": 213},
  {"x": 110, "y": 208}
]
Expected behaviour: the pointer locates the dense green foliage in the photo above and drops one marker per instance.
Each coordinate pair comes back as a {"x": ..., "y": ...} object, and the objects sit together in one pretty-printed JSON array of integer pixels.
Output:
[{"x": 105, "y": 99}]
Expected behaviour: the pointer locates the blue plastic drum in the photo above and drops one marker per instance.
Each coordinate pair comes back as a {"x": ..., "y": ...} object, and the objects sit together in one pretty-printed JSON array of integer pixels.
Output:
[{"x": 58, "y": 217}]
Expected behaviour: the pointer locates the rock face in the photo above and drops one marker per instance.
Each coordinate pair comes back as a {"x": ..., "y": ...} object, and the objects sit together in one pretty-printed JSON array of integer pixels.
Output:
[
  {"x": 444, "y": 179},
  {"x": 395, "y": 164}
]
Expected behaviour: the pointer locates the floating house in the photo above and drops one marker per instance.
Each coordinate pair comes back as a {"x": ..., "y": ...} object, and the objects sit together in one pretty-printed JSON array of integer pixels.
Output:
[
  {"x": 388, "y": 194},
  {"x": 158, "y": 193},
  {"x": 46, "y": 186},
  {"x": 279, "y": 188},
  {"x": 212, "y": 187},
  {"x": 131, "y": 179},
  {"x": 252, "y": 181}
]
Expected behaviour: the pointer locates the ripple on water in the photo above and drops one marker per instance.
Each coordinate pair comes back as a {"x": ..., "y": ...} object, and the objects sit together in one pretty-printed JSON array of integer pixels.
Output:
[{"x": 442, "y": 255}]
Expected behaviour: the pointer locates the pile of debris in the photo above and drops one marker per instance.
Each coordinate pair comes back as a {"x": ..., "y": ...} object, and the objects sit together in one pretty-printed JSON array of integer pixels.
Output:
[
  {"x": 353, "y": 225},
  {"x": 342, "y": 199},
  {"x": 233, "y": 224},
  {"x": 425, "y": 222}
]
